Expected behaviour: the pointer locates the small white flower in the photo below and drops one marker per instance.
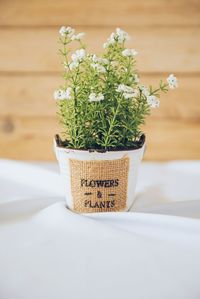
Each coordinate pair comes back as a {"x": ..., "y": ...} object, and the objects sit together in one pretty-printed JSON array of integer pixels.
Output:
[
  {"x": 98, "y": 63},
  {"x": 78, "y": 36},
  {"x": 79, "y": 55},
  {"x": 58, "y": 94},
  {"x": 144, "y": 90},
  {"x": 119, "y": 36},
  {"x": 172, "y": 81},
  {"x": 127, "y": 91},
  {"x": 98, "y": 67},
  {"x": 120, "y": 88},
  {"x": 100, "y": 97},
  {"x": 135, "y": 92},
  {"x": 62, "y": 94},
  {"x": 64, "y": 31},
  {"x": 153, "y": 101},
  {"x": 93, "y": 97},
  {"x": 112, "y": 38},
  {"x": 122, "y": 35},
  {"x": 127, "y": 95},
  {"x": 131, "y": 94},
  {"x": 96, "y": 59},
  {"x": 124, "y": 88},
  {"x": 68, "y": 93},
  {"x": 101, "y": 68},
  {"x": 73, "y": 65},
  {"x": 129, "y": 52}
]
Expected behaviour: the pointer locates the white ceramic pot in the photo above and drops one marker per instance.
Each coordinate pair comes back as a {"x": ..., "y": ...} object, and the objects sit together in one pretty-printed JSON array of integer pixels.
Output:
[{"x": 108, "y": 178}]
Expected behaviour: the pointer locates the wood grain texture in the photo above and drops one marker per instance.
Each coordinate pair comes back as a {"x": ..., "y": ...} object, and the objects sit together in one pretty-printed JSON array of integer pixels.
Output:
[
  {"x": 176, "y": 139},
  {"x": 32, "y": 138},
  {"x": 170, "y": 49},
  {"x": 165, "y": 33},
  {"x": 101, "y": 13},
  {"x": 32, "y": 95}
]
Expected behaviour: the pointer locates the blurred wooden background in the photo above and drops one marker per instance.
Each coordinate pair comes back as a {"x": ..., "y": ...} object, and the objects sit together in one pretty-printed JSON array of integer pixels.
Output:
[{"x": 166, "y": 35}]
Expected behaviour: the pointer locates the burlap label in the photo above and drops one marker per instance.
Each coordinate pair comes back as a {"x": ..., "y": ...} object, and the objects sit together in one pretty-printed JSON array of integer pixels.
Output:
[{"x": 99, "y": 186}]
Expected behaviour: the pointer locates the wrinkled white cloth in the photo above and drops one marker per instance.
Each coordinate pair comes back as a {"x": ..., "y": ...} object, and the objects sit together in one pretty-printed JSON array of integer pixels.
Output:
[{"x": 47, "y": 251}]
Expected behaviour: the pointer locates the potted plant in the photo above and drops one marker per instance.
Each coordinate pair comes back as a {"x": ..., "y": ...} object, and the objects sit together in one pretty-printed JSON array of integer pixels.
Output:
[{"x": 101, "y": 107}]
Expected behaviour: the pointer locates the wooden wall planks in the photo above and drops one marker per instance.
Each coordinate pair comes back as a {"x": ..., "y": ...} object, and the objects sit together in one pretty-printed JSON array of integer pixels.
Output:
[
  {"x": 166, "y": 35},
  {"x": 160, "y": 49},
  {"x": 32, "y": 95},
  {"x": 99, "y": 13},
  {"x": 32, "y": 137}
]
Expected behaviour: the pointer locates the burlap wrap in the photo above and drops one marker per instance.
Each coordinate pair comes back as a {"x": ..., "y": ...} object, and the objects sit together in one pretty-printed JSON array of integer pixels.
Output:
[{"x": 99, "y": 186}]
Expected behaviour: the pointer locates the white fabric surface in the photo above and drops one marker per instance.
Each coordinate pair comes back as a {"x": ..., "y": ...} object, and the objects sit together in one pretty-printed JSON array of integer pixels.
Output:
[{"x": 46, "y": 251}]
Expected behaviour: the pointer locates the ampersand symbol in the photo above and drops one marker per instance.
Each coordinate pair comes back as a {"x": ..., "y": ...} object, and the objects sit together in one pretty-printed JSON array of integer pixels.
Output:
[{"x": 99, "y": 194}]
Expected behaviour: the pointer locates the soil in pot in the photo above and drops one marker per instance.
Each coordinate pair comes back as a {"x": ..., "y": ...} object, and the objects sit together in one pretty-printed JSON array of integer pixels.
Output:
[{"x": 133, "y": 146}]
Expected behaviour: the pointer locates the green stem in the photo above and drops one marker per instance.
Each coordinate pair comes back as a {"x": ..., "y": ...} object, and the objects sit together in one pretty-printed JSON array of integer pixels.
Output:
[{"x": 112, "y": 124}]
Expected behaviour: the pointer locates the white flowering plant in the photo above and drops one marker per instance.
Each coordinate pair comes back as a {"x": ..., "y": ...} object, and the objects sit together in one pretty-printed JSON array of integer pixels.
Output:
[{"x": 102, "y": 103}]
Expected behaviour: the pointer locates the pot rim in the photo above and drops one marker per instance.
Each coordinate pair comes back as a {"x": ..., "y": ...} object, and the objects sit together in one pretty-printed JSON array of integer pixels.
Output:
[{"x": 67, "y": 149}]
